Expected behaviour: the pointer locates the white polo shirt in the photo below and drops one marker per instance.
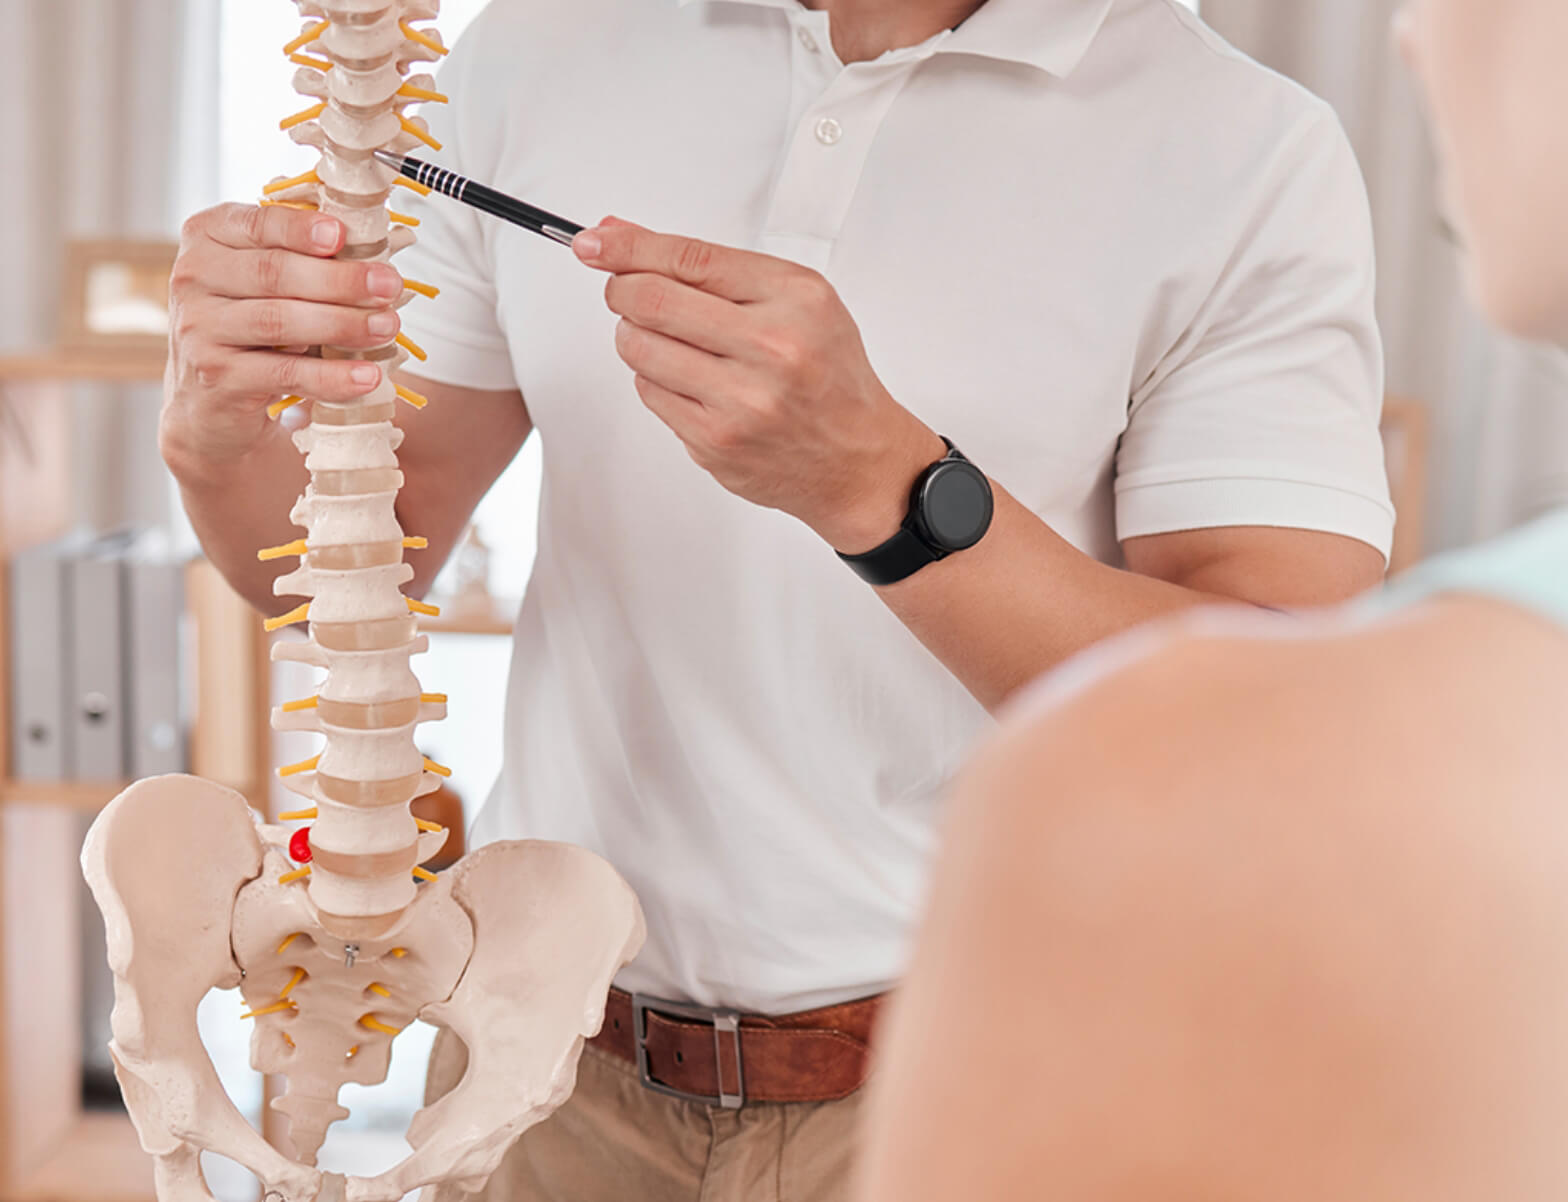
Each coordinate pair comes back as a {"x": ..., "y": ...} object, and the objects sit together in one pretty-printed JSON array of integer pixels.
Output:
[{"x": 1126, "y": 269}]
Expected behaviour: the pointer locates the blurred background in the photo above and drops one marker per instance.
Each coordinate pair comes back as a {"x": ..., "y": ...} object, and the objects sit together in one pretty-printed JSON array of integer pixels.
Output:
[{"x": 133, "y": 114}]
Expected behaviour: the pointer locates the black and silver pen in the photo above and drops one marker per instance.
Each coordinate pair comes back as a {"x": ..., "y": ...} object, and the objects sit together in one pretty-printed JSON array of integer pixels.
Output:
[{"x": 488, "y": 200}]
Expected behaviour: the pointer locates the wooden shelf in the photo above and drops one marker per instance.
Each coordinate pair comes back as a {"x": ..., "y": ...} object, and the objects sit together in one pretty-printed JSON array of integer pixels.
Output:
[
  {"x": 98, "y": 366},
  {"x": 85, "y": 795},
  {"x": 89, "y": 796}
]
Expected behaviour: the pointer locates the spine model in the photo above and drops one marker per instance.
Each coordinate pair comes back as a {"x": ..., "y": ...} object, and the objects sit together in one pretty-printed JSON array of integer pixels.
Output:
[
  {"x": 360, "y": 856},
  {"x": 333, "y": 934}
]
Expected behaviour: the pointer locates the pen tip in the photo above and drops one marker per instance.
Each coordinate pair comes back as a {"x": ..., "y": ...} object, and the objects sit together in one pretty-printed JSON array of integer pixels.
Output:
[{"x": 387, "y": 157}]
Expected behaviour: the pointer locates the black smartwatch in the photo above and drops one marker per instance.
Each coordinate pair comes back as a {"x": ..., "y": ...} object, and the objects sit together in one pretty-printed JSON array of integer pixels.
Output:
[{"x": 950, "y": 510}]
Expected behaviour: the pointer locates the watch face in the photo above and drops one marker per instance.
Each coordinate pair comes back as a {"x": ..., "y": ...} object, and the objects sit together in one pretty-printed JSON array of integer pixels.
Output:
[{"x": 956, "y": 505}]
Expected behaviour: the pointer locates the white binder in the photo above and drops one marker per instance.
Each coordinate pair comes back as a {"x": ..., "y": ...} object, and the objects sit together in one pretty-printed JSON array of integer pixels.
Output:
[
  {"x": 40, "y": 731},
  {"x": 95, "y": 582},
  {"x": 154, "y": 663}
]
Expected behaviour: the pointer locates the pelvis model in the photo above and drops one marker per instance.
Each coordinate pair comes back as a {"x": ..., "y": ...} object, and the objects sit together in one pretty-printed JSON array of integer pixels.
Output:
[{"x": 334, "y": 934}]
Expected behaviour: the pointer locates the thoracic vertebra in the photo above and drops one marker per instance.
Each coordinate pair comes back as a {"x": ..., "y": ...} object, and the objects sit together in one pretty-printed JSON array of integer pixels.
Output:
[{"x": 364, "y": 842}]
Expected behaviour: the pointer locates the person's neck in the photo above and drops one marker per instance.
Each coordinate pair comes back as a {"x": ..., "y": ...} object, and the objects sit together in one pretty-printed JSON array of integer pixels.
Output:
[{"x": 866, "y": 29}]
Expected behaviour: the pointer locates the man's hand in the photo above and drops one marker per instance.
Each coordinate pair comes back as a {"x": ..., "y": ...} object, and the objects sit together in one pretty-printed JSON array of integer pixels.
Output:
[
  {"x": 758, "y": 368},
  {"x": 251, "y": 284}
]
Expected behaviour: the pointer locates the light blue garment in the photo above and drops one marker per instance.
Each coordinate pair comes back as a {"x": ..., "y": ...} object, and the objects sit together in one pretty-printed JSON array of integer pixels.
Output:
[{"x": 1528, "y": 567}]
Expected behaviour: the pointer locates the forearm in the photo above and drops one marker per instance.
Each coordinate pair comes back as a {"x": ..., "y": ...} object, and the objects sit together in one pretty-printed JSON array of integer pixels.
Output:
[
  {"x": 1022, "y": 601},
  {"x": 453, "y": 451},
  {"x": 241, "y": 505}
]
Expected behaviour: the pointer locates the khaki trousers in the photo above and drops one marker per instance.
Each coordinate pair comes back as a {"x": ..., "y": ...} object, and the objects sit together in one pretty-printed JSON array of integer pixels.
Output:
[{"x": 615, "y": 1141}]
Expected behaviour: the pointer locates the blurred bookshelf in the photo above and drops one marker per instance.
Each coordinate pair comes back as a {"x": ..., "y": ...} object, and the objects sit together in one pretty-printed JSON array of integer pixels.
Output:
[{"x": 53, "y": 1147}]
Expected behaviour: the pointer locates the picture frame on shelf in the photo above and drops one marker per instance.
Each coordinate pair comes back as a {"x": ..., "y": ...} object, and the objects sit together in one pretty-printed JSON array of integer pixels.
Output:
[{"x": 115, "y": 297}]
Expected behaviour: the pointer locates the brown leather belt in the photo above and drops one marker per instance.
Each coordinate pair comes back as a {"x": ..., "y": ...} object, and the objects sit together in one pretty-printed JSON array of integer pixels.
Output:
[{"x": 723, "y": 1058}]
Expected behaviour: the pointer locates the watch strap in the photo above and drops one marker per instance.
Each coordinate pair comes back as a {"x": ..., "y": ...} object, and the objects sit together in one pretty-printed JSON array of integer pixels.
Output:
[
  {"x": 906, "y": 552},
  {"x": 902, "y": 555}
]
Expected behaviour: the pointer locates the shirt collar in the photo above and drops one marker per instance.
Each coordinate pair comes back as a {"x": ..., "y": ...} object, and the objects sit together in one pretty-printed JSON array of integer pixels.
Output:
[{"x": 1052, "y": 35}]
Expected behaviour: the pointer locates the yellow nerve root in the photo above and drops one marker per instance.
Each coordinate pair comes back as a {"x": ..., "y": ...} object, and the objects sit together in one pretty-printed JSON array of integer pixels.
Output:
[
  {"x": 414, "y": 93},
  {"x": 412, "y": 347},
  {"x": 288, "y": 939},
  {"x": 399, "y": 952},
  {"x": 438, "y": 769},
  {"x": 287, "y": 402},
  {"x": 303, "y": 116},
  {"x": 414, "y": 184},
  {"x": 430, "y": 828},
  {"x": 416, "y": 542},
  {"x": 419, "y": 607},
  {"x": 299, "y": 874},
  {"x": 299, "y": 975},
  {"x": 286, "y": 1038},
  {"x": 288, "y": 619},
  {"x": 305, "y": 60},
  {"x": 304, "y": 703},
  {"x": 424, "y": 874},
  {"x": 402, "y": 218},
  {"x": 433, "y": 698},
  {"x": 410, "y": 128},
  {"x": 373, "y": 1023},
  {"x": 283, "y": 185},
  {"x": 429, "y": 290},
  {"x": 297, "y": 547},
  {"x": 412, "y": 397},
  {"x": 272, "y": 1009},
  {"x": 303, "y": 766},
  {"x": 297, "y": 816},
  {"x": 306, "y": 38},
  {"x": 413, "y": 35},
  {"x": 378, "y": 988}
]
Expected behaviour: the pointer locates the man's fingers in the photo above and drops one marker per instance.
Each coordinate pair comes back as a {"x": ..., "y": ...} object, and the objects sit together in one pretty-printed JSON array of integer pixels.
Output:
[
  {"x": 681, "y": 414},
  {"x": 284, "y": 273},
  {"x": 736, "y": 275},
  {"x": 269, "y": 375},
  {"x": 656, "y": 302},
  {"x": 273, "y": 322},
  {"x": 256, "y": 227},
  {"x": 673, "y": 364}
]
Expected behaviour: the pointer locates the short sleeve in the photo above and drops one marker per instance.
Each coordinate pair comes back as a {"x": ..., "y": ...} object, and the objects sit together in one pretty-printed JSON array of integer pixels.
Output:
[
  {"x": 1266, "y": 412},
  {"x": 459, "y": 330}
]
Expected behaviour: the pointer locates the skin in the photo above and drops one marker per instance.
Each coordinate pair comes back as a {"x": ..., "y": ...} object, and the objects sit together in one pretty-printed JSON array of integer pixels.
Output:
[
  {"x": 866, "y": 29},
  {"x": 752, "y": 361},
  {"x": 1491, "y": 75},
  {"x": 1310, "y": 942},
  {"x": 1287, "y": 952}
]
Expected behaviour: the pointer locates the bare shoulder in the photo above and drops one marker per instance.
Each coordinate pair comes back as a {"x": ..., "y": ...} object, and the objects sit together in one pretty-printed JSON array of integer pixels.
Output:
[
  {"x": 1269, "y": 914},
  {"x": 1421, "y": 750},
  {"x": 1452, "y": 693}
]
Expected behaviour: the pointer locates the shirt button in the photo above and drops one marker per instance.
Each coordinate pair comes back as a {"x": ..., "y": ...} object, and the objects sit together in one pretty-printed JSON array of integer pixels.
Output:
[
  {"x": 806, "y": 40},
  {"x": 829, "y": 131}
]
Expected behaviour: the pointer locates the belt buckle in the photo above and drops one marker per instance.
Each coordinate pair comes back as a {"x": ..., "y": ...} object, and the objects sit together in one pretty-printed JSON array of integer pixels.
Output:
[{"x": 724, "y": 1022}]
